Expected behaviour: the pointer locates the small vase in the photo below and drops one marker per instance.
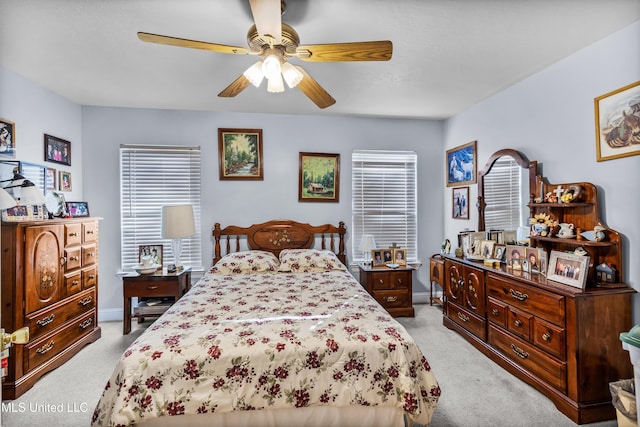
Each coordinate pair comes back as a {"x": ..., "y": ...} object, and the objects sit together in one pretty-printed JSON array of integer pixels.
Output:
[{"x": 540, "y": 230}]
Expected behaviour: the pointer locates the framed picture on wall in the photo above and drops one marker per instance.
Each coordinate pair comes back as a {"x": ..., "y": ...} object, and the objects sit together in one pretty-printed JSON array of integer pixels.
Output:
[
  {"x": 7, "y": 138},
  {"x": 64, "y": 181},
  {"x": 57, "y": 150},
  {"x": 319, "y": 177},
  {"x": 617, "y": 115},
  {"x": 51, "y": 179},
  {"x": 240, "y": 154},
  {"x": 461, "y": 165},
  {"x": 460, "y": 202}
]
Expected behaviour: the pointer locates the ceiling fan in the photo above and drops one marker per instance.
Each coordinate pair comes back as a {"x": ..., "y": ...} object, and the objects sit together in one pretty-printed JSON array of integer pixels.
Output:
[{"x": 275, "y": 43}]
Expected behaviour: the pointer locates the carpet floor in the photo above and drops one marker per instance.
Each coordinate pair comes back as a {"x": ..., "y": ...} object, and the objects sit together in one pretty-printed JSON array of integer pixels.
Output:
[{"x": 475, "y": 391}]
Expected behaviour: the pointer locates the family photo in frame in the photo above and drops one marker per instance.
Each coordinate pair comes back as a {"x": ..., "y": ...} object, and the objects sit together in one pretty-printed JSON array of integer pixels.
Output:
[{"x": 57, "y": 150}]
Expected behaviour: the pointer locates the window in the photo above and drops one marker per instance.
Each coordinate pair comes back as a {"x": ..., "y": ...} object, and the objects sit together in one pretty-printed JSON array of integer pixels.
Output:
[
  {"x": 502, "y": 186},
  {"x": 384, "y": 200},
  {"x": 150, "y": 177}
]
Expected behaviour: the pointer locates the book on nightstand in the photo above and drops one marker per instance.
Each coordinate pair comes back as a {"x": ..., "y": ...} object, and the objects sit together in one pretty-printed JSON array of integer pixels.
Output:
[{"x": 152, "y": 306}]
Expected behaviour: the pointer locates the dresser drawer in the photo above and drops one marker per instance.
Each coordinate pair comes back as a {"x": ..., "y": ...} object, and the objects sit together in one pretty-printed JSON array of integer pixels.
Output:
[
  {"x": 89, "y": 254},
  {"x": 550, "y": 338},
  {"x": 43, "y": 321},
  {"x": 73, "y": 258},
  {"x": 540, "y": 303},
  {"x": 89, "y": 232},
  {"x": 44, "y": 349},
  {"x": 151, "y": 288},
  {"x": 497, "y": 312},
  {"x": 390, "y": 280},
  {"x": 468, "y": 320},
  {"x": 529, "y": 358},
  {"x": 72, "y": 234},
  {"x": 89, "y": 277},
  {"x": 520, "y": 323},
  {"x": 73, "y": 282},
  {"x": 393, "y": 298}
]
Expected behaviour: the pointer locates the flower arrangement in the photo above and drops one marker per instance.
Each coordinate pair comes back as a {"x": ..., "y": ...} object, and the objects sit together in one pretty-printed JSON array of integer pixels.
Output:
[
  {"x": 566, "y": 197},
  {"x": 542, "y": 218}
]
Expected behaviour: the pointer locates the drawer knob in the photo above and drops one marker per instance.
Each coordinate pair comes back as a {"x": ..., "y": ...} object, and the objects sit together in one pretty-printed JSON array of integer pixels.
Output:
[
  {"x": 86, "y": 324},
  {"x": 518, "y": 295},
  {"x": 152, "y": 287},
  {"x": 74, "y": 258},
  {"x": 46, "y": 320},
  {"x": 518, "y": 322},
  {"x": 90, "y": 254},
  {"x": 85, "y": 301},
  {"x": 495, "y": 312},
  {"x": 392, "y": 299},
  {"x": 45, "y": 348},
  {"x": 74, "y": 283},
  {"x": 520, "y": 352},
  {"x": 92, "y": 276},
  {"x": 463, "y": 317},
  {"x": 74, "y": 234},
  {"x": 89, "y": 231},
  {"x": 546, "y": 337}
]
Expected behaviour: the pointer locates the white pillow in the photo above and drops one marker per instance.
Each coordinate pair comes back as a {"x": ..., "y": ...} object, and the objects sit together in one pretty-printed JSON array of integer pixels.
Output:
[
  {"x": 246, "y": 262},
  {"x": 309, "y": 260}
]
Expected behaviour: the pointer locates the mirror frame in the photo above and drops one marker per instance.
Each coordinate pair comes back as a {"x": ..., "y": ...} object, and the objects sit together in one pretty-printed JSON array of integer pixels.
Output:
[{"x": 531, "y": 166}]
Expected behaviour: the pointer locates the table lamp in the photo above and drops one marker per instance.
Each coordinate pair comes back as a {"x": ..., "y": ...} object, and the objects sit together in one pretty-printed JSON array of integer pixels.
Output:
[
  {"x": 177, "y": 224},
  {"x": 367, "y": 244}
]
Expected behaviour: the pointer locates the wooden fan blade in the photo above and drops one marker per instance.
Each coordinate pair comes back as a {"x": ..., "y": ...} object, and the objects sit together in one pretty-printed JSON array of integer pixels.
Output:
[
  {"x": 314, "y": 91},
  {"x": 267, "y": 15},
  {"x": 235, "y": 88},
  {"x": 336, "y": 52},
  {"x": 193, "y": 44}
]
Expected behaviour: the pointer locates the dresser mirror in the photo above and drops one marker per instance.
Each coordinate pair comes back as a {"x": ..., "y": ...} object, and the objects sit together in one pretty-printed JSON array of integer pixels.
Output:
[{"x": 505, "y": 186}]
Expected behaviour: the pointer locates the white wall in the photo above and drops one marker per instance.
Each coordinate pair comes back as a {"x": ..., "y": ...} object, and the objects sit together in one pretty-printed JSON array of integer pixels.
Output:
[
  {"x": 550, "y": 118},
  {"x": 248, "y": 202}
]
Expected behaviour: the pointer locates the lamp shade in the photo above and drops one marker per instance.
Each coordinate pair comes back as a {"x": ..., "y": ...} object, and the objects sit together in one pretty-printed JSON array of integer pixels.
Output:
[
  {"x": 6, "y": 201},
  {"x": 367, "y": 243},
  {"x": 177, "y": 222},
  {"x": 30, "y": 194}
]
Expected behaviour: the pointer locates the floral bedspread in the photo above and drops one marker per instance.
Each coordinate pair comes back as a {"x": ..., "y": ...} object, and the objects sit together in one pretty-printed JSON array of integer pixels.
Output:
[{"x": 266, "y": 341}]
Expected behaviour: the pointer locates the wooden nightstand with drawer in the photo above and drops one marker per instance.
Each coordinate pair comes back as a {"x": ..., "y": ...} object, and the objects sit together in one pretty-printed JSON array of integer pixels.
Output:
[{"x": 391, "y": 287}]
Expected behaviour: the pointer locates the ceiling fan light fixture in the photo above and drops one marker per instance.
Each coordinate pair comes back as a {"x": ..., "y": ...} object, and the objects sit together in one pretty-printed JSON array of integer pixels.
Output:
[
  {"x": 275, "y": 84},
  {"x": 271, "y": 66},
  {"x": 254, "y": 74},
  {"x": 291, "y": 75}
]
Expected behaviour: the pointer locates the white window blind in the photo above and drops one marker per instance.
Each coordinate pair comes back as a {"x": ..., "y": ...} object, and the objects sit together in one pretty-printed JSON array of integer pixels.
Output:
[
  {"x": 150, "y": 177},
  {"x": 502, "y": 196},
  {"x": 384, "y": 200}
]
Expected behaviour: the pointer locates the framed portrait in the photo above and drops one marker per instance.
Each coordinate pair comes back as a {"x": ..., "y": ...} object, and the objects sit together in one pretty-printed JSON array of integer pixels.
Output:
[
  {"x": 617, "y": 115},
  {"x": 461, "y": 165},
  {"x": 7, "y": 138},
  {"x": 240, "y": 154},
  {"x": 51, "y": 179},
  {"x": 399, "y": 256},
  {"x": 16, "y": 213},
  {"x": 377, "y": 258},
  {"x": 319, "y": 177},
  {"x": 460, "y": 203},
  {"x": 515, "y": 257},
  {"x": 486, "y": 248},
  {"x": 534, "y": 262},
  {"x": 64, "y": 181},
  {"x": 57, "y": 150},
  {"x": 387, "y": 256},
  {"x": 154, "y": 251},
  {"x": 77, "y": 209},
  {"x": 475, "y": 242},
  {"x": 499, "y": 251},
  {"x": 568, "y": 268}
]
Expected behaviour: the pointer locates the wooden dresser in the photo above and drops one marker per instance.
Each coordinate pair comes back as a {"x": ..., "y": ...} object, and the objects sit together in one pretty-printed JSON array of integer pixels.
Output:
[
  {"x": 50, "y": 284},
  {"x": 391, "y": 287},
  {"x": 562, "y": 340}
]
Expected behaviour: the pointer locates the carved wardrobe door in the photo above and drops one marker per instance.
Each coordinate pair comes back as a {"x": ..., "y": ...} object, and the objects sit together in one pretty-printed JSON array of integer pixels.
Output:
[{"x": 44, "y": 246}]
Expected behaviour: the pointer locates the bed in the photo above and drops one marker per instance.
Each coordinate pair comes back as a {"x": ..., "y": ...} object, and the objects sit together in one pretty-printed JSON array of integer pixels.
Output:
[{"x": 276, "y": 333}]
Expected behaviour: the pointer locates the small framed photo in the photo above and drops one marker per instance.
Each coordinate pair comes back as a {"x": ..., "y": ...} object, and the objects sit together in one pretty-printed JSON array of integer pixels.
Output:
[
  {"x": 377, "y": 258},
  {"x": 387, "y": 256},
  {"x": 64, "y": 181},
  {"x": 515, "y": 257},
  {"x": 77, "y": 209},
  {"x": 57, "y": 150},
  {"x": 7, "y": 138},
  {"x": 240, "y": 154},
  {"x": 154, "y": 251},
  {"x": 400, "y": 256},
  {"x": 486, "y": 248},
  {"x": 532, "y": 255},
  {"x": 319, "y": 177},
  {"x": 51, "y": 179},
  {"x": 499, "y": 251},
  {"x": 461, "y": 165},
  {"x": 568, "y": 268},
  {"x": 460, "y": 203},
  {"x": 16, "y": 213}
]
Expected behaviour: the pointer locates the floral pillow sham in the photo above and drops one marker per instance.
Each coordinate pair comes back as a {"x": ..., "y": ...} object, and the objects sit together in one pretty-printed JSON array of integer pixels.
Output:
[
  {"x": 247, "y": 262},
  {"x": 309, "y": 261}
]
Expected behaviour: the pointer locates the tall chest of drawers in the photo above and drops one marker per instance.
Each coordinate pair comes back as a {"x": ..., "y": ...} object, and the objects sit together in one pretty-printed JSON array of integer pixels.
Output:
[{"x": 49, "y": 284}]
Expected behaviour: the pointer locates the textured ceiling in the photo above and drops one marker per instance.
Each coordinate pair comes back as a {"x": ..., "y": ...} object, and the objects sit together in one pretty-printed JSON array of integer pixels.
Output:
[{"x": 448, "y": 54}]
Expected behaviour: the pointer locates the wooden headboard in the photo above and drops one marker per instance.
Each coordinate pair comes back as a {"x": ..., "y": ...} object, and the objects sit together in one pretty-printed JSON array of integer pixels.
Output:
[{"x": 274, "y": 236}]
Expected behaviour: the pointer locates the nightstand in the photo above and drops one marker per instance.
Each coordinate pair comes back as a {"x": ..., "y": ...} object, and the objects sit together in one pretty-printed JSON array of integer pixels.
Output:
[
  {"x": 436, "y": 278},
  {"x": 158, "y": 284},
  {"x": 391, "y": 287}
]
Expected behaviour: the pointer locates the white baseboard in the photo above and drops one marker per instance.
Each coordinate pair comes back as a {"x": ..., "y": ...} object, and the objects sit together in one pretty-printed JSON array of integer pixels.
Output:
[
  {"x": 110, "y": 315},
  {"x": 421, "y": 298}
]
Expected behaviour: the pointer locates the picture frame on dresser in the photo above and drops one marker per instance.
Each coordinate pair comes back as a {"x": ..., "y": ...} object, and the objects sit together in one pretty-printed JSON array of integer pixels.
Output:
[
  {"x": 77, "y": 209},
  {"x": 568, "y": 268}
]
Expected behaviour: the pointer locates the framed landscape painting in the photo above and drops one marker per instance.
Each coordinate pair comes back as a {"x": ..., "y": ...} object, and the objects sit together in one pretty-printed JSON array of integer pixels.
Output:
[
  {"x": 240, "y": 154},
  {"x": 461, "y": 165},
  {"x": 617, "y": 122},
  {"x": 319, "y": 177}
]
